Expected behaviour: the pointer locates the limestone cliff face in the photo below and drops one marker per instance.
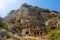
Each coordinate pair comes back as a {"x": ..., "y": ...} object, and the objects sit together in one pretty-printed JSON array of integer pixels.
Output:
[
  {"x": 28, "y": 16},
  {"x": 1, "y": 19}
]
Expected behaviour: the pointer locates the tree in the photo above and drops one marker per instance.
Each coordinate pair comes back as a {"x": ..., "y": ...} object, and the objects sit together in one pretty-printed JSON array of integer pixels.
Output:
[
  {"x": 3, "y": 26},
  {"x": 54, "y": 34},
  {"x": 58, "y": 16},
  {"x": 54, "y": 11},
  {"x": 51, "y": 35}
]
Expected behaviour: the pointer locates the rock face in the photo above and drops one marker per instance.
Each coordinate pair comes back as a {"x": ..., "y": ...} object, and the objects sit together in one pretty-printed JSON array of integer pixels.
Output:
[
  {"x": 3, "y": 33},
  {"x": 28, "y": 16},
  {"x": 1, "y": 19}
]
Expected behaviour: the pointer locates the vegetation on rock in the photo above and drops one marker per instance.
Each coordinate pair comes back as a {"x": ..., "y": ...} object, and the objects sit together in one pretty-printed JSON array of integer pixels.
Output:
[
  {"x": 3, "y": 26},
  {"x": 54, "y": 34}
]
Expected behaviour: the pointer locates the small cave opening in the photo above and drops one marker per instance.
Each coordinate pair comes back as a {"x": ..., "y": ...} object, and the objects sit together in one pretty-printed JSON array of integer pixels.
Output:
[
  {"x": 34, "y": 33},
  {"x": 18, "y": 21},
  {"x": 40, "y": 33},
  {"x": 27, "y": 32},
  {"x": 37, "y": 33},
  {"x": 53, "y": 28}
]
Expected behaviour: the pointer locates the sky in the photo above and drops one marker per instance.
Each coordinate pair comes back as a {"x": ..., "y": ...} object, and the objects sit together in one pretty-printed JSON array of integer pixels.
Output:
[{"x": 7, "y": 5}]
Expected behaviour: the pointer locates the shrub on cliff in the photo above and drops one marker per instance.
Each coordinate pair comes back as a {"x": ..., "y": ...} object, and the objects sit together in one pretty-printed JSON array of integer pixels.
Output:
[{"x": 3, "y": 25}]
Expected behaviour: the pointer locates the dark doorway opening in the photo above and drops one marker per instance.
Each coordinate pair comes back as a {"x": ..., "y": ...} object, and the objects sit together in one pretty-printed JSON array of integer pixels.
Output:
[
  {"x": 40, "y": 33},
  {"x": 27, "y": 32},
  {"x": 34, "y": 33},
  {"x": 37, "y": 33}
]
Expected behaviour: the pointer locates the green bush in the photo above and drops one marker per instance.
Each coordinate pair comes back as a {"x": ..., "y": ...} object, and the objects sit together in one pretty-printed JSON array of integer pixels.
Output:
[
  {"x": 3, "y": 26},
  {"x": 54, "y": 35},
  {"x": 58, "y": 16}
]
